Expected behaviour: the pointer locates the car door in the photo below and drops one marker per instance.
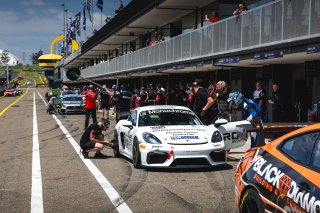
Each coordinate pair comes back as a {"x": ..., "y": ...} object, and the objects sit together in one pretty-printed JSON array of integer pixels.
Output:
[
  {"x": 301, "y": 187},
  {"x": 275, "y": 169},
  {"x": 231, "y": 135},
  {"x": 307, "y": 184},
  {"x": 130, "y": 132}
]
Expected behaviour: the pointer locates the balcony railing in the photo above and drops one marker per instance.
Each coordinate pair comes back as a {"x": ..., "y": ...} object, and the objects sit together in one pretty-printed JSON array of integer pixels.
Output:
[{"x": 277, "y": 22}]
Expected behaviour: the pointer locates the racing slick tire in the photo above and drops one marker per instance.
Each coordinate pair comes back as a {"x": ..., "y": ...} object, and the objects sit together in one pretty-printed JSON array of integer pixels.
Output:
[
  {"x": 251, "y": 202},
  {"x": 136, "y": 155},
  {"x": 116, "y": 151}
]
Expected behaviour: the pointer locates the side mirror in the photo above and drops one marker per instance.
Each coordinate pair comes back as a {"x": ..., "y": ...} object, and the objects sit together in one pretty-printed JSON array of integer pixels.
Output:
[
  {"x": 220, "y": 122},
  {"x": 127, "y": 124}
]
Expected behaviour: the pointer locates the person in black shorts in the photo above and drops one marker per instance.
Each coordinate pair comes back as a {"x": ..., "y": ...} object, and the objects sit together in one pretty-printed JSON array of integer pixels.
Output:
[
  {"x": 105, "y": 101},
  {"x": 92, "y": 140}
]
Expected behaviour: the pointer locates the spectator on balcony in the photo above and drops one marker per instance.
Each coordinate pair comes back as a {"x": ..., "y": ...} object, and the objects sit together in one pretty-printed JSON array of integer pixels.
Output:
[
  {"x": 241, "y": 8},
  {"x": 147, "y": 43},
  {"x": 159, "y": 38},
  {"x": 213, "y": 19},
  {"x": 120, "y": 9}
]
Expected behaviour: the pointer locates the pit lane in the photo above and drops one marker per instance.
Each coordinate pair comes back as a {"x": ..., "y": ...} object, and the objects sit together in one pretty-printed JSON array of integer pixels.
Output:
[{"x": 68, "y": 186}]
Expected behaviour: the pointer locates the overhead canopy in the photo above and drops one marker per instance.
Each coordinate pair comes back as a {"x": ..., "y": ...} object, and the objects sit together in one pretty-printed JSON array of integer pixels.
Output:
[
  {"x": 137, "y": 18},
  {"x": 50, "y": 57}
]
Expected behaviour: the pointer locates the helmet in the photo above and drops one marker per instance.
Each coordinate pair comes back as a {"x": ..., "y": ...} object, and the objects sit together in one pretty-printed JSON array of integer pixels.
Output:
[
  {"x": 114, "y": 87},
  {"x": 236, "y": 98},
  {"x": 211, "y": 87},
  {"x": 220, "y": 86}
]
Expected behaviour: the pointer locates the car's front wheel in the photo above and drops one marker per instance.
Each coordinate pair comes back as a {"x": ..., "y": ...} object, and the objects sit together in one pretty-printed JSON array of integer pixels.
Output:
[
  {"x": 116, "y": 151},
  {"x": 136, "y": 155},
  {"x": 251, "y": 202}
]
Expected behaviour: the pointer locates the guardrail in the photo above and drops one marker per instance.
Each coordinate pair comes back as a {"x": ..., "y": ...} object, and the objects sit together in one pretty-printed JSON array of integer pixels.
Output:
[{"x": 277, "y": 22}]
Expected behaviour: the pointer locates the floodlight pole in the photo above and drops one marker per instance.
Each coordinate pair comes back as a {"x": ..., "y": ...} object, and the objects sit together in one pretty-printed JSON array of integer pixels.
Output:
[
  {"x": 65, "y": 28},
  {"x": 7, "y": 73}
]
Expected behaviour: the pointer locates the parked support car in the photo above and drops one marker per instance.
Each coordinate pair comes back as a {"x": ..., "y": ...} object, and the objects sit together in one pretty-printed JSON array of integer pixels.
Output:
[
  {"x": 9, "y": 92},
  {"x": 72, "y": 104}
]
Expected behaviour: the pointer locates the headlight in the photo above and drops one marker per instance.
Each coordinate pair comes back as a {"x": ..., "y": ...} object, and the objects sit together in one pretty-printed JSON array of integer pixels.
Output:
[
  {"x": 150, "y": 138},
  {"x": 63, "y": 106},
  {"x": 216, "y": 137}
]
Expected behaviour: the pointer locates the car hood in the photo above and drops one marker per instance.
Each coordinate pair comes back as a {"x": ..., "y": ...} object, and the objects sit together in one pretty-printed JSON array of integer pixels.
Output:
[{"x": 179, "y": 134}]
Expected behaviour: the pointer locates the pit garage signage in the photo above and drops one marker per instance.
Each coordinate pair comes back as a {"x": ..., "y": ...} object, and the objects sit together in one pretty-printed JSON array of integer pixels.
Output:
[
  {"x": 230, "y": 60},
  {"x": 314, "y": 48},
  {"x": 268, "y": 55}
]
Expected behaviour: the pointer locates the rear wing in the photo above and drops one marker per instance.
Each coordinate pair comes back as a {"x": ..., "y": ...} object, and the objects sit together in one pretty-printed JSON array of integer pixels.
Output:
[{"x": 258, "y": 127}]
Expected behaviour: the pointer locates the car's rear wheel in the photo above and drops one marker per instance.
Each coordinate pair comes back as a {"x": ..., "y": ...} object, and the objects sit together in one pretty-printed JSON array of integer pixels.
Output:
[
  {"x": 251, "y": 202},
  {"x": 116, "y": 150},
  {"x": 136, "y": 155}
]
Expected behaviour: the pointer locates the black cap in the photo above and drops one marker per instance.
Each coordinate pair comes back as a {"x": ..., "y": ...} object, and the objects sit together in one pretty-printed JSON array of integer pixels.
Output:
[{"x": 197, "y": 82}]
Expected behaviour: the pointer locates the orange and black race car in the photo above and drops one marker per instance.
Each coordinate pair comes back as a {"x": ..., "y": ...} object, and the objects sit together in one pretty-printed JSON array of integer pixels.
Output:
[{"x": 282, "y": 176}]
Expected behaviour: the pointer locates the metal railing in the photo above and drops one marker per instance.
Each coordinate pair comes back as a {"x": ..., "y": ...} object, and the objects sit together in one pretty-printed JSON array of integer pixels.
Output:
[{"x": 277, "y": 22}]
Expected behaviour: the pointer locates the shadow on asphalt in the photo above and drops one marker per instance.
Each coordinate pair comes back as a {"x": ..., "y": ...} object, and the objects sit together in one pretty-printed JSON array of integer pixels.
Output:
[
  {"x": 94, "y": 158},
  {"x": 191, "y": 169}
]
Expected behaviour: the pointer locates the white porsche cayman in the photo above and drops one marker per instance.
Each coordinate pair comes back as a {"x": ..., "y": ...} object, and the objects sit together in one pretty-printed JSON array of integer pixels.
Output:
[{"x": 173, "y": 136}]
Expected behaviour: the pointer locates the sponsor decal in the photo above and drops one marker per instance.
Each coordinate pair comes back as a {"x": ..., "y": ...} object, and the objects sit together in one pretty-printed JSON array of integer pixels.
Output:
[
  {"x": 159, "y": 111},
  {"x": 191, "y": 151},
  {"x": 157, "y": 127},
  {"x": 232, "y": 136},
  {"x": 282, "y": 185},
  {"x": 184, "y": 137}
]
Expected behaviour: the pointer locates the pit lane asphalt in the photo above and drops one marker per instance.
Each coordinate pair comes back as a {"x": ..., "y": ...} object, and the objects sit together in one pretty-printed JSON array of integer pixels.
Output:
[{"x": 68, "y": 186}]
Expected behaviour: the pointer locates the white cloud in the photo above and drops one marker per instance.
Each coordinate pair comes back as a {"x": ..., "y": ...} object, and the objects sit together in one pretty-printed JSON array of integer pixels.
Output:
[
  {"x": 27, "y": 33},
  {"x": 33, "y": 2},
  {"x": 8, "y": 16},
  {"x": 30, "y": 12}
]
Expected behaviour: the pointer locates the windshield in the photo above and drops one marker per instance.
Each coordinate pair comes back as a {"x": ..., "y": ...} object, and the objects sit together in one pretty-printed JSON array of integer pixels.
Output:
[
  {"x": 168, "y": 117},
  {"x": 78, "y": 99}
]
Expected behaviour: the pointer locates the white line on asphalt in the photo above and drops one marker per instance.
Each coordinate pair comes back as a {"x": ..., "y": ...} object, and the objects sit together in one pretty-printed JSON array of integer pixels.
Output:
[
  {"x": 36, "y": 185},
  {"x": 113, "y": 195}
]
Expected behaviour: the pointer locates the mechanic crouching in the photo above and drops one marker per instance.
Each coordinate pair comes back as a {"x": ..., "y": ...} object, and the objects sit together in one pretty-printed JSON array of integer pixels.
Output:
[
  {"x": 92, "y": 140},
  {"x": 249, "y": 109},
  {"x": 50, "y": 107}
]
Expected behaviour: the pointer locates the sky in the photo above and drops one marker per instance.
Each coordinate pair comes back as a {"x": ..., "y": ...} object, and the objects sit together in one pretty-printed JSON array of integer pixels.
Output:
[{"x": 26, "y": 26}]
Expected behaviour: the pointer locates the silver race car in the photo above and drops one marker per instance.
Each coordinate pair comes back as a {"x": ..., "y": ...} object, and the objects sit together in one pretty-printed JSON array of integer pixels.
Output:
[
  {"x": 72, "y": 104},
  {"x": 173, "y": 136}
]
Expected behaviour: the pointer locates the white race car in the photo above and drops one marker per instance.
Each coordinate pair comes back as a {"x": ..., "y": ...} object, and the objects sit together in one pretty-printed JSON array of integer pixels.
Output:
[{"x": 173, "y": 136}]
